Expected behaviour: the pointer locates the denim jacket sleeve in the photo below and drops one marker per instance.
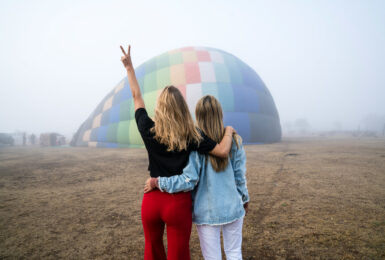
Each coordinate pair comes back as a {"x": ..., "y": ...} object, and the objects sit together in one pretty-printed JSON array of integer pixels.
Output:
[
  {"x": 186, "y": 181},
  {"x": 238, "y": 161}
]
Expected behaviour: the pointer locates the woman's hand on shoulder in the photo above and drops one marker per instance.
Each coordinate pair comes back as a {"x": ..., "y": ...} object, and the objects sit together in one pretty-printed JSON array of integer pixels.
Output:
[{"x": 229, "y": 130}]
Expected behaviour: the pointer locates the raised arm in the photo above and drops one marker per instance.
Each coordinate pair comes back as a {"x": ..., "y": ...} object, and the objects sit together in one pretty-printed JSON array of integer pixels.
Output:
[
  {"x": 134, "y": 86},
  {"x": 223, "y": 148}
]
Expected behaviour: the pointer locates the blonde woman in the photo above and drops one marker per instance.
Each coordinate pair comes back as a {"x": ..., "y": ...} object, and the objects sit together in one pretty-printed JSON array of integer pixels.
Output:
[
  {"x": 220, "y": 199},
  {"x": 169, "y": 139}
]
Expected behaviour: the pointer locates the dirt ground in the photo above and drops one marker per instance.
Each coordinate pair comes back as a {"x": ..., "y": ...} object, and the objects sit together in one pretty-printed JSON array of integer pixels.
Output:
[{"x": 315, "y": 198}]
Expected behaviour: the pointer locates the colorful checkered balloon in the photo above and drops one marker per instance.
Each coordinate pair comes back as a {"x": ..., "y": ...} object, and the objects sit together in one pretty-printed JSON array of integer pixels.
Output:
[{"x": 196, "y": 71}]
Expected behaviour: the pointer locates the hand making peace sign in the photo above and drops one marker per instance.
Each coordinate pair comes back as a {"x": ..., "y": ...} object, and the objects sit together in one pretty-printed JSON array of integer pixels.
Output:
[
  {"x": 132, "y": 81},
  {"x": 126, "y": 59}
]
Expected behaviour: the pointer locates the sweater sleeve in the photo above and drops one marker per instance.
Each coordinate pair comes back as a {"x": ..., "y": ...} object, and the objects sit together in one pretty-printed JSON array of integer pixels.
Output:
[
  {"x": 238, "y": 162},
  {"x": 186, "y": 181},
  {"x": 205, "y": 146},
  {"x": 143, "y": 121}
]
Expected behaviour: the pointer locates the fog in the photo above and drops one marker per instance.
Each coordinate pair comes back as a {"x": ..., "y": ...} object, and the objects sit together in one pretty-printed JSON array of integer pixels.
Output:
[{"x": 323, "y": 61}]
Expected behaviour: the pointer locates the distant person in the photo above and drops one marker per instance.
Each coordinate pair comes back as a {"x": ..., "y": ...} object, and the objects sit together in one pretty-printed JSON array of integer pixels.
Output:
[
  {"x": 220, "y": 195},
  {"x": 24, "y": 139},
  {"x": 169, "y": 139},
  {"x": 32, "y": 139}
]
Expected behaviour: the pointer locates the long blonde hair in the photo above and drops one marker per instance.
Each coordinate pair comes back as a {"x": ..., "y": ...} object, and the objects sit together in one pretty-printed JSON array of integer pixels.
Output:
[
  {"x": 209, "y": 116},
  {"x": 174, "y": 126}
]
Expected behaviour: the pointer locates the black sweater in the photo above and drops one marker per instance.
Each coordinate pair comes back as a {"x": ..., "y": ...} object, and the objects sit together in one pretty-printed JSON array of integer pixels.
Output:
[{"x": 161, "y": 162}]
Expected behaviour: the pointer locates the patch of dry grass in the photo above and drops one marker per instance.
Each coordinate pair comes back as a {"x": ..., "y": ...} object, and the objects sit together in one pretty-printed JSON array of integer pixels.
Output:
[{"x": 310, "y": 199}]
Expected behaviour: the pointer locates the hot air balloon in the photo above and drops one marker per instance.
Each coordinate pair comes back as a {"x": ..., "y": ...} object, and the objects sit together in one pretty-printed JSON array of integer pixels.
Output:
[{"x": 196, "y": 71}]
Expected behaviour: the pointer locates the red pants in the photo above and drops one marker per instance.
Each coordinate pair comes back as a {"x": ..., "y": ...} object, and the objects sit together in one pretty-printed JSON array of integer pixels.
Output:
[{"x": 174, "y": 210}]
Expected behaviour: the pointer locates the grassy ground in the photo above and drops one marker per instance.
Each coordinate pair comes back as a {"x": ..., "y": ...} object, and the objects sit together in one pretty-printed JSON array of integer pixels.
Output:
[{"x": 318, "y": 198}]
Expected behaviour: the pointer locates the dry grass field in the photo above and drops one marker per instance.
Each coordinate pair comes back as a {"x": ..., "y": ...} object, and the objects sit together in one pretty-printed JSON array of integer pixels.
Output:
[{"x": 315, "y": 198}]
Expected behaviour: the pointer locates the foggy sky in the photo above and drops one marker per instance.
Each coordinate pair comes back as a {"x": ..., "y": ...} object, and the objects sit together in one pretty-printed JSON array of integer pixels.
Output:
[{"x": 321, "y": 60}]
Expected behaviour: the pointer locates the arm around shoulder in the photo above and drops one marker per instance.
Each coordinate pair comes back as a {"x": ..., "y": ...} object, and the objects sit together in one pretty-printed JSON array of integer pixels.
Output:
[
  {"x": 222, "y": 149},
  {"x": 186, "y": 181}
]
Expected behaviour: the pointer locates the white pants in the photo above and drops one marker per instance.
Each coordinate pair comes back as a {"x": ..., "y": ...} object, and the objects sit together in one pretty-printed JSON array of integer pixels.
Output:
[{"x": 210, "y": 240}]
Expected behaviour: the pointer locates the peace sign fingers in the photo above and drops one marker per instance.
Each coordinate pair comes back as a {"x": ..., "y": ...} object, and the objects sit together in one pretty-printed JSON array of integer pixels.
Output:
[
  {"x": 126, "y": 59},
  {"x": 128, "y": 52},
  {"x": 123, "y": 50}
]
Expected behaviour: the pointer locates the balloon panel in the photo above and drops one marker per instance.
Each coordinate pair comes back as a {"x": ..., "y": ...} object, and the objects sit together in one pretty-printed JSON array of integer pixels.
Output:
[{"x": 196, "y": 71}]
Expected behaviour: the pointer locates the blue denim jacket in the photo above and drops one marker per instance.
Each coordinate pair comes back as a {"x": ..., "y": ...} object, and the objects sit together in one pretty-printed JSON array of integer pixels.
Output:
[{"x": 219, "y": 197}]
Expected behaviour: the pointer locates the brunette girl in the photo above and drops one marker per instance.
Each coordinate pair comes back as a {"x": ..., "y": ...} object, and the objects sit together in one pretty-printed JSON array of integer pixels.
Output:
[{"x": 220, "y": 199}]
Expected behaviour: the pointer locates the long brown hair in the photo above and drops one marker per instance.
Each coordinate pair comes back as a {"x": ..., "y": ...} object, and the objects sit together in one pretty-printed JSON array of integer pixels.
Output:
[
  {"x": 174, "y": 126},
  {"x": 209, "y": 116}
]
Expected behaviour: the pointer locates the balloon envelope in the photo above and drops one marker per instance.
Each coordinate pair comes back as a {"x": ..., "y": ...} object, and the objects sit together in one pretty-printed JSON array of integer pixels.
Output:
[{"x": 196, "y": 71}]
